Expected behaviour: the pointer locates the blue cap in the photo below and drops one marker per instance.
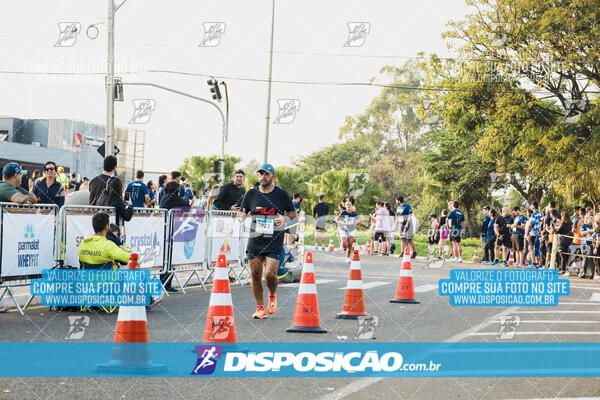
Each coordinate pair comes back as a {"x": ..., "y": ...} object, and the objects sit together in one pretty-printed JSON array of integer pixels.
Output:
[
  {"x": 267, "y": 168},
  {"x": 12, "y": 169}
]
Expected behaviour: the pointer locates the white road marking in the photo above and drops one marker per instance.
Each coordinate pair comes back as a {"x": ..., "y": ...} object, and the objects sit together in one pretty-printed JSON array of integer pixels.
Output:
[
  {"x": 370, "y": 285},
  {"x": 556, "y": 312},
  {"x": 319, "y": 282},
  {"x": 562, "y": 398},
  {"x": 425, "y": 288},
  {"x": 587, "y": 303},
  {"x": 580, "y": 333},
  {"x": 539, "y": 321},
  {"x": 595, "y": 296},
  {"x": 362, "y": 383}
]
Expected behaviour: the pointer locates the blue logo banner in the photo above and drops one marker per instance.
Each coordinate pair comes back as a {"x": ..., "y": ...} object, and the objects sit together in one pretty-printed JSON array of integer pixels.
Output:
[{"x": 301, "y": 360}]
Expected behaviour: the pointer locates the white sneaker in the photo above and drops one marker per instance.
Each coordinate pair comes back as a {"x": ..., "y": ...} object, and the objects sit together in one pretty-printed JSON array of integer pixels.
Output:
[
  {"x": 459, "y": 259},
  {"x": 347, "y": 259},
  {"x": 597, "y": 278},
  {"x": 567, "y": 273}
]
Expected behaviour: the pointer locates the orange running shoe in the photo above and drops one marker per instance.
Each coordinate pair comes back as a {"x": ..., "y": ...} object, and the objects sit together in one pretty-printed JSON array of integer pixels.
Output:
[
  {"x": 260, "y": 313},
  {"x": 272, "y": 307}
]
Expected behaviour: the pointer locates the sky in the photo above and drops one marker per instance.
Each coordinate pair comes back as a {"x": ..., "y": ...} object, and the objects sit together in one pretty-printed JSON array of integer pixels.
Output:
[{"x": 159, "y": 35}]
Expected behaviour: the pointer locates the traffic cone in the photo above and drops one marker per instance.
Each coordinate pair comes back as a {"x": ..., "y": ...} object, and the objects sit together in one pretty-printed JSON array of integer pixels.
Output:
[
  {"x": 511, "y": 258},
  {"x": 354, "y": 302},
  {"x": 331, "y": 248},
  {"x": 369, "y": 247},
  {"x": 475, "y": 256},
  {"x": 306, "y": 314},
  {"x": 404, "y": 290},
  {"x": 131, "y": 352},
  {"x": 220, "y": 320}
]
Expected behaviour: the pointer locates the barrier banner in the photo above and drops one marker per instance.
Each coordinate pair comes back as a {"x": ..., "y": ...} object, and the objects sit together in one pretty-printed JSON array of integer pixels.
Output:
[
  {"x": 145, "y": 234},
  {"x": 77, "y": 228},
  {"x": 189, "y": 236},
  {"x": 224, "y": 232},
  {"x": 27, "y": 243}
]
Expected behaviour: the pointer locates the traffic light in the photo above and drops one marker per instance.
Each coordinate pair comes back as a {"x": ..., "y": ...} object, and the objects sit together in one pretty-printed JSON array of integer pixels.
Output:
[{"x": 214, "y": 89}]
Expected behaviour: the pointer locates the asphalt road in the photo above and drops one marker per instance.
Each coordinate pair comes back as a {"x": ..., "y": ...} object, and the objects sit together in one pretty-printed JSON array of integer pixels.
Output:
[{"x": 181, "y": 318}]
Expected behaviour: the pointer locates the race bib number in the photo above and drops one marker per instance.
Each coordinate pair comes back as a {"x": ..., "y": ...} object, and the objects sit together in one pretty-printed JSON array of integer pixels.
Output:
[
  {"x": 350, "y": 221},
  {"x": 265, "y": 226}
]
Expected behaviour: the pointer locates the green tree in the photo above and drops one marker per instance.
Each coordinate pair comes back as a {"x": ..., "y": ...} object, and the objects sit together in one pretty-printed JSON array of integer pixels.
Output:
[{"x": 197, "y": 170}]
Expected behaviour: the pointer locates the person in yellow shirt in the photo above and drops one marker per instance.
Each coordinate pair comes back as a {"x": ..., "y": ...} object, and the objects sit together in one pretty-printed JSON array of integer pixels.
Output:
[{"x": 96, "y": 251}]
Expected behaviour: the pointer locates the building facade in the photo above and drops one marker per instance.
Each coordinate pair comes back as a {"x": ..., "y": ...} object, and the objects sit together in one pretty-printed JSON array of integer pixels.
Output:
[{"x": 71, "y": 144}]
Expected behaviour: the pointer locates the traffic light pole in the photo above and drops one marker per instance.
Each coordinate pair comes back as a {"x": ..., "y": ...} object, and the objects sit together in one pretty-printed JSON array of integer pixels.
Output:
[
  {"x": 110, "y": 81},
  {"x": 224, "y": 118}
]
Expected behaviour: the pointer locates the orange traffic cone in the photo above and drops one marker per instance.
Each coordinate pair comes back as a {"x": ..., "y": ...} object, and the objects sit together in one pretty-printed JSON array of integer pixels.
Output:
[
  {"x": 354, "y": 302},
  {"x": 475, "y": 256},
  {"x": 131, "y": 353},
  {"x": 220, "y": 320},
  {"x": 511, "y": 258},
  {"x": 306, "y": 315},
  {"x": 404, "y": 291},
  {"x": 369, "y": 247},
  {"x": 331, "y": 247}
]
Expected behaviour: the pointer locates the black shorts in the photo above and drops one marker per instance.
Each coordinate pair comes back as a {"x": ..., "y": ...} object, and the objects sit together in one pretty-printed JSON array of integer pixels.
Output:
[
  {"x": 505, "y": 241},
  {"x": 379, "y": 235},
  {"x": 531, "y": 241},
  {"x": 518, "y": 242},
  {"x": 276, "y": 255},
  {"x": 433, "y": 239},
  {"x": 455, "y": 235}
]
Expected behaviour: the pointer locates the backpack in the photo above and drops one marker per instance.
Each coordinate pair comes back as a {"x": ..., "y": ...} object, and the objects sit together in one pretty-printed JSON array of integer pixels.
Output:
[{"x": 104, "y": 196}]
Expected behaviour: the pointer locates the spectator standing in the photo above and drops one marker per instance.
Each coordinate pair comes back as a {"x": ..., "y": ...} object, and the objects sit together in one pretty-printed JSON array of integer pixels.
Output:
[
  {"x": 34, "y": 178},
  {"x": 444, "y": 233},
  {"x": 320, "y": 211},
  {"x": 491, "y": 240},
  {"x": 382, "y": 227},
  {"x": 170, "y": 199},
  {"x": 565, "y": 227},
  {"x": 484, "y": 226},
  {"x": 534, "y": 233},
  {"x": 518, "y": 236},
  {"x": 85, "y": 184},
  {"x": 456, "y": 224},
  {"x": 503, "y": 235},
  {"x": 48, "y": 190},
  {"x": 62, "y": 178},
  {"x": 10, "y": 187},
  {"x": 176, "y": 176},
  {"x": 98, "y": 184},
  {"x": 113, "y": 197},
  {"x": 138, "y": 191},
  {"x": 74, "y": 184},
  {"x": 151, "y": 194},
  {"x": 434, "y": 236},
  {"x": 162, "y": 180},
  {"x": 231, "y": 194},
  {"x": 405, "y": 225},
  {"x": 390, "y": 234}
]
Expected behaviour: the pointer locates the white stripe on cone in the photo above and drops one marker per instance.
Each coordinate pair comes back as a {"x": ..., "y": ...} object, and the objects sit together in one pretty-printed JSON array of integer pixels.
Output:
[
  {"x": 308, "y": 267},
  {"x": 406, "y": 272},
  {"x": 307, "y": 288},
  {"x": 221, "y": 273},
  {"x": 132, "y": 313},
  {"x": 354, "y": 285},
  {"x": 220, "y": 299},
  {"x": 354, "y": 264}
]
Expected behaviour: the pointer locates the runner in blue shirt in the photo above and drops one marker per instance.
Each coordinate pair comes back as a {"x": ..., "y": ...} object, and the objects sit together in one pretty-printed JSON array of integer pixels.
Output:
[
  {"x": 456, "y": 220},
  {"x": 518, "y": 236},
  {"x": 534, "y": 233},
  {"x": 138, "y": 191}
]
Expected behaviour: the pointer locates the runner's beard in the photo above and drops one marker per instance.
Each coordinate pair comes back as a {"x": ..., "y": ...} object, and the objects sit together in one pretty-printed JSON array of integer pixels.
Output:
[{"x": 265, "y": 182}]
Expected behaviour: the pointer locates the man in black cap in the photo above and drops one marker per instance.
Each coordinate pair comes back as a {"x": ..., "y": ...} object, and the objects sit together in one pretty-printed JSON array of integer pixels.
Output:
[
  {"x": 10, "y": 187},
  {"x": 270, "y": 207}
]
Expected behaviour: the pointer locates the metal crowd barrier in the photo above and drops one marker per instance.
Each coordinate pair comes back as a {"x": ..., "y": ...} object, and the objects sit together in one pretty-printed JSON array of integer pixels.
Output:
[{"x": 28, "y": 239}]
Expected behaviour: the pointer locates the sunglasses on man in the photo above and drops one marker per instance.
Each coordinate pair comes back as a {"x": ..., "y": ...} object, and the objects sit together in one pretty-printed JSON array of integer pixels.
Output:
[{"x": 49, "y": 169}]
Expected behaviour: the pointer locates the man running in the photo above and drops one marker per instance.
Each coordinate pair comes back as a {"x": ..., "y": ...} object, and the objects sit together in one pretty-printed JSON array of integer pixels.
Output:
[
  {"x": 404, "y": 225},
  {"x": 270, "y": 208},
  {"x": 456, "y": 224},
  {"x": 320, "y": 212}
]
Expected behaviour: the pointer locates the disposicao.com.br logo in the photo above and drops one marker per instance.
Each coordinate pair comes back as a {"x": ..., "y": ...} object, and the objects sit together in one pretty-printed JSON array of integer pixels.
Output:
[{"x": 369, "y": 361}]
